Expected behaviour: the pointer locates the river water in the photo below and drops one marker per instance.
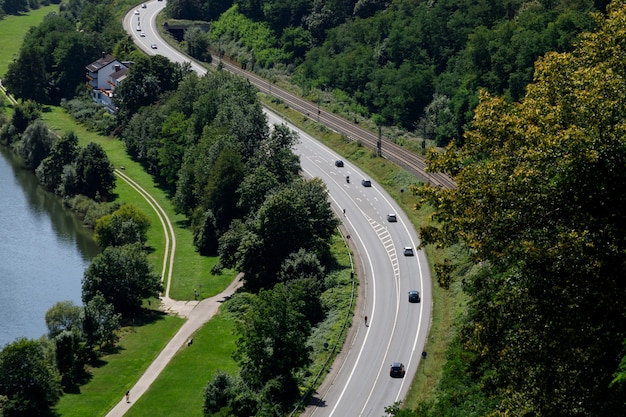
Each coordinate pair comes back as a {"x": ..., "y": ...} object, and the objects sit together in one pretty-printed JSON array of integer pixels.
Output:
[{"x": 44, "y": 252}]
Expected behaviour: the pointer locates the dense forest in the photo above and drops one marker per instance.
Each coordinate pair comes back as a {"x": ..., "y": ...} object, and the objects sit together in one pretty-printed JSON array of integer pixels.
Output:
[
  {"x": 415, "y": 64},
  {"x": 539, "y": 207}
]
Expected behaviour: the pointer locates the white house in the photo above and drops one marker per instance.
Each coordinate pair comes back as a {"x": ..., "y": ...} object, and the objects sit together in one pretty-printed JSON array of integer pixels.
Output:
[{"x": 103, "y": 77}]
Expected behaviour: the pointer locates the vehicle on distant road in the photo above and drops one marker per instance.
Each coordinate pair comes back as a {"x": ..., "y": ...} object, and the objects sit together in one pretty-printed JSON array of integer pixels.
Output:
[
  {"x": 339, "y": 163},
  {"x": 414, "y": 297},
  {"x": 366, "y": 183},
  {"x": 391, "y": 218},
  {"x": 408, "y": 251},
  {"x": 136, "y": 11},
  {"x": 154, "y": 46},
  {"x": 142, "y": 34},
  {"x": 397, "y": 370}
]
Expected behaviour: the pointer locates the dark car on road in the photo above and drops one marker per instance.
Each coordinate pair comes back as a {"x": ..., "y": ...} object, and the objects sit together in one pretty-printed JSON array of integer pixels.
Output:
[
  {"x": 366, "y": 183},
  {"x": 391, "y": 218},
  {"x": 397, "y": 370},
  {"x": 414, "y": 297},
  {"x": 339, "y": 163},
  {"x": 408, "y": 251}
]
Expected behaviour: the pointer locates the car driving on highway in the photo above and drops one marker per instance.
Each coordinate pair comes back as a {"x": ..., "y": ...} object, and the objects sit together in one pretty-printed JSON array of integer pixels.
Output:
[{"x": 397, "y": 370}]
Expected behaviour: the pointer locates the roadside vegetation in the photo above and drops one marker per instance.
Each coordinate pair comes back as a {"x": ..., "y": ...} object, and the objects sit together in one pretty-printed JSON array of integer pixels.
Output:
[{"x": 529, "y": 280}]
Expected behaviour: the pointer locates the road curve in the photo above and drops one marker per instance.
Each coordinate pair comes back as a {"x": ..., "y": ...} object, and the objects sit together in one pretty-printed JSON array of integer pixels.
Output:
[{"x": 360, "y": 384}]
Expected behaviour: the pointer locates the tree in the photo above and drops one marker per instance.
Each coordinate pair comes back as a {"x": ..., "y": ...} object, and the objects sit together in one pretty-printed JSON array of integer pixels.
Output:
[
  {"x": 146, "y": 80},
  {"x": 275, "y": 153},
  {"x": 205, "y": 237},
  {"x": 27, "y": 379},
  {"x": 540, "y": 191},
  {"x": 218, "y": 393},
  {"x": 271, "y": 342},
  {"x": 37, "y": 141},
  {"x": 63, "y": 152},
  {"x": 254, "y": 189},
  {"x": 24, "y": 114},
  {"x": 126, "y": 225},
  {"x": 123, "y": 276},
  {"x": 197, "y": 43},
  {"x": 14, "y": 6},
  {"x": 71, "y": 356},
  {"x": 26, "y": 77},
  {"x": 294, "y": 217},
  {"x": 100, "y": 322},
  {"x": 220, "y": 190},
  {"x": 63, "y": 316},
  {"x": 174, "y": 141},
  {"x": 94, "y": 171}
]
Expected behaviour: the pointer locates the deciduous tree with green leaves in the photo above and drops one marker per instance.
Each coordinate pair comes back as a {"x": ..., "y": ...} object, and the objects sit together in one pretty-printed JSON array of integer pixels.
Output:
[
  {"x": 124, "y": 226},
  {"x": 28, "y": 380},
  {"x": 123, "y": 276},
  {"x": 272, "y": 341},
  {"x": 539, "y": 207}
]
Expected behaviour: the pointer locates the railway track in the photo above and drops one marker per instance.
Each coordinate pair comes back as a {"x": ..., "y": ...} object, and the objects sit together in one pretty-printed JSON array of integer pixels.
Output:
[{"x": 402, "y": 157}]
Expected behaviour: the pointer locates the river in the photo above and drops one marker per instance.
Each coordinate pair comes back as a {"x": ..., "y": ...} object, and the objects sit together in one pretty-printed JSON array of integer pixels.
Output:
[{"x": 44, "y": 252}]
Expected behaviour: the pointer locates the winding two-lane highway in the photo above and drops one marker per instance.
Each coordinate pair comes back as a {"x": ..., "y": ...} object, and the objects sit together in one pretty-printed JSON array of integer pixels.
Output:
[{"x": 397, "y": 329}]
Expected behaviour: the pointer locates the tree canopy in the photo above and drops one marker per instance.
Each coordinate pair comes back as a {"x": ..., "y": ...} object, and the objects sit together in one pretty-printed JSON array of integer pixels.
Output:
[
  {"x": 392, "y": 60},
  {"x": 541, "y": 189},
  {"x": 123, "y": 276},
  {"x": 27, "y": 379},
  {"x": 124, "y": 226}
]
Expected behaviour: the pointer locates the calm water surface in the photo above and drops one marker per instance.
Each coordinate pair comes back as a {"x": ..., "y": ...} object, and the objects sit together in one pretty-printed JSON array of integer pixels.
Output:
[{"x": 44, "y": 252}]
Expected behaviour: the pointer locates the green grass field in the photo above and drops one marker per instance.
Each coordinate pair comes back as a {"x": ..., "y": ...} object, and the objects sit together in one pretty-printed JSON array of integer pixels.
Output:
[
  {"x": 117, "y": 372},
  {"x": 179, "y": 389},
  {"x": 13, "y": 30}
]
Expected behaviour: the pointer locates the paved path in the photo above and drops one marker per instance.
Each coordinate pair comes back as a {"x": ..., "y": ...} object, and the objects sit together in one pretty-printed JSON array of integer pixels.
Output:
[{"x": 198, "y": 314}]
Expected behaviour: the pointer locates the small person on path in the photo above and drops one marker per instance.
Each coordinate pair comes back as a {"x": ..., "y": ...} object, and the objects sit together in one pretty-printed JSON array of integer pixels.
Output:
[
  {"x": 366, "y": 321},
  {"x": 127, "y": 396}
]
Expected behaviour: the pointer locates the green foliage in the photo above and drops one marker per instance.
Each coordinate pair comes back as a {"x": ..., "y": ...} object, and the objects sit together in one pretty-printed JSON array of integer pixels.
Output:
[
  {"x": 71, "y": 356},
  {"x": 191, "y": 9},
  {"x": 94, "y": 172},
  {"x": 35, "y": 144},
  {"x": 146, "y": 80},
  {"x": 63, "y": 316},
  {"x": 294, "y": 217},
  {"x": 90, "y": 114},
  {"x": 27, "y": 379},
  {"x": 124, "y": 226},
  {"x": 540, "y": 190},
  {"x": 100, "y": 322},
  {"x": 272, "y": 341},
  {"x": 123, "y": 276},
  {"x": 258, "y": 39},
  {"x": 63, "y": 153},
  {"x": 14, "y": 6},
  {"x": 51, "y": 63},
  {"x": 197, "y": 43}
]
